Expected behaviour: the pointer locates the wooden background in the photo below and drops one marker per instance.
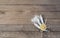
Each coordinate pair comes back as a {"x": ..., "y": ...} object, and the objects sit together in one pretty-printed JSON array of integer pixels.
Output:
[{"x": 15, "y": 18}]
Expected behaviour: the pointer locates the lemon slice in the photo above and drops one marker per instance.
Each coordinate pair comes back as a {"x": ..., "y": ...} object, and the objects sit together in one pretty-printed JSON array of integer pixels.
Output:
[{"x": 43, "y": 27}]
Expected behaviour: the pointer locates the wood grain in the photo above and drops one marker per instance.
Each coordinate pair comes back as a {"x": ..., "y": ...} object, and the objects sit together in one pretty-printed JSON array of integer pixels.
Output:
[
  {"x": 16, "y": 15},
  {"x": 54, "y": 35},
  {"x": 21, "y": 21},
  {"x": 41, "y": 8},
  {"x": 20, "y": 35},
  {"x": 53, "y": 25},
  {"x": 29, "y": 35},
  {"x": 29, "y": 1},
  {"x": 25, "y": 17},
  {"x": 51, "y": 34}
]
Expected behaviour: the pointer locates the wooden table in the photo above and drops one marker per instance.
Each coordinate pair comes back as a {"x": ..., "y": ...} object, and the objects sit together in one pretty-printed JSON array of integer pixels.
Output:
[{"x": 15, "y": 18}]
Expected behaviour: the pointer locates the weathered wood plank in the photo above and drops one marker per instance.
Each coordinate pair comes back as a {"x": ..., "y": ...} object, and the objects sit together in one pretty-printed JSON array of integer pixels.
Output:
[
  {"x": 23, "y": 21},
  {"x": 54, "y": 35},
  {"x": 20, "y": 35},
  {"x": 51, "y": 34},
  {"x": 42, "y": 8},
  {"x": 53, "y": 25},
  {"x": 25, "y": 17},
  {"x": 17, "y": 27},
  {"x": 29, "y": 1},
  {"x": 29, "y": 35}
]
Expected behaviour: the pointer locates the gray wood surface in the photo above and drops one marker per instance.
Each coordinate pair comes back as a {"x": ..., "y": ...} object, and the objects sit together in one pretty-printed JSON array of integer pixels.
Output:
[
  {"x": 29, "y": 1},
  {"x": 29, "y": 35},
  {"x": 23, "y": 7},
  {"x": 20, "y": 35},
  {"x": 15, "y": 18}
]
